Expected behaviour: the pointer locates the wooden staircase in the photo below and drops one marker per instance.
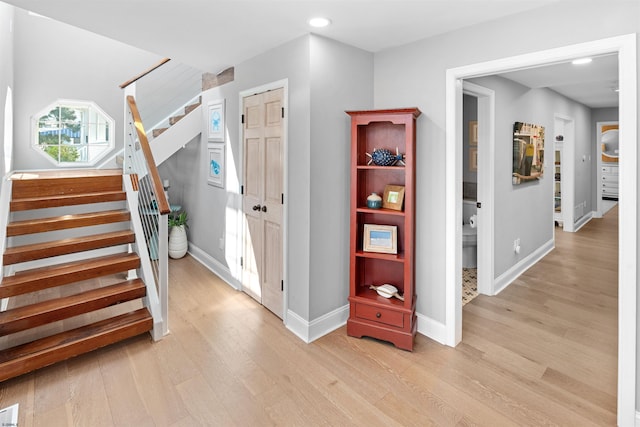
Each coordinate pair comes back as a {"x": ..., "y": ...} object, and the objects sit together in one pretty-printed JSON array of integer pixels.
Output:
[
  {"x": 175, "y": 119},
  {"x": 69, "y": 294}
]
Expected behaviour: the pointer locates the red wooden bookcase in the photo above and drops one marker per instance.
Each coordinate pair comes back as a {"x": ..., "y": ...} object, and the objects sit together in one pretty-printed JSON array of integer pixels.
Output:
[{"x": 388, "y": 319}]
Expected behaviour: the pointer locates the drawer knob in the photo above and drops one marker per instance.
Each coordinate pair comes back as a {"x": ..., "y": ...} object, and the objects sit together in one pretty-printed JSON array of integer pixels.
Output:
[{"x": 378, "y": 315}]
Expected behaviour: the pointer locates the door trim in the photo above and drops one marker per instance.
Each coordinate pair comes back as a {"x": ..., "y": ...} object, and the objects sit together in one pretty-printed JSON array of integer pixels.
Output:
[
  {"x": 486, "y": 99},
  {"x": 284, "y": 84},
  {"x": 625, "y": 47}
]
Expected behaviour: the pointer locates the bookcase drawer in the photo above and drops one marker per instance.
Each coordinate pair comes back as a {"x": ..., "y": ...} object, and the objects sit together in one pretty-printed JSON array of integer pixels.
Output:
[{"x": 376, "y": 314}]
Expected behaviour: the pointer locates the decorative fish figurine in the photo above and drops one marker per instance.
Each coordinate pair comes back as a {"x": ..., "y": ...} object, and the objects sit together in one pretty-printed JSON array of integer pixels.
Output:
[{"x": 387, "y": 291}]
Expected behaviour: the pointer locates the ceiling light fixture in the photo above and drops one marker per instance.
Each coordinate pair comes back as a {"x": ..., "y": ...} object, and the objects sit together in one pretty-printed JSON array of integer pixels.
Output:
[
  {"x": 319, "y": 22},
  {"x": 581, "y": 61}
]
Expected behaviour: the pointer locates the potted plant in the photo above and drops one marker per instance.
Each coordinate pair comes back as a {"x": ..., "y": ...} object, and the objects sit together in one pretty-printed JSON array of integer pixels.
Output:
[{"x": 178, "y": 243}]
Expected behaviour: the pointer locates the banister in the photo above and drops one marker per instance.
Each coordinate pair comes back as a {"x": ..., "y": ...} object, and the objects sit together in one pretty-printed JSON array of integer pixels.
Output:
[
  {"x": 158, "y": 189},
  {"x": 144, "y": 73}
]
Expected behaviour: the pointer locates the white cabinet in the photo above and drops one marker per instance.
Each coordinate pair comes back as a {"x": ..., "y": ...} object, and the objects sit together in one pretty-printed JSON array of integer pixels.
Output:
[
  {"x": 610, "y": 182},
  {"x": 557, "y": 194}
]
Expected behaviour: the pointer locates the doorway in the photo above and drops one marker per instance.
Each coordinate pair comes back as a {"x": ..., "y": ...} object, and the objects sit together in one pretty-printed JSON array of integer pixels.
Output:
[
  {"x": 625, "y": 48},
  {"x": 263, "y": 136}
]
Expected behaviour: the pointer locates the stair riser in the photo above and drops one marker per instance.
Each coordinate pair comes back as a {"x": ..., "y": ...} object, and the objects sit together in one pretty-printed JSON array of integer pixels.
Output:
[
  {"x": 81, "y": 304},
  {"x": 49, "y": 187},
  {"x": 19, "y": 364},
  {"x": 59, "y": 279},
  {"x": 67, "y": 246}
]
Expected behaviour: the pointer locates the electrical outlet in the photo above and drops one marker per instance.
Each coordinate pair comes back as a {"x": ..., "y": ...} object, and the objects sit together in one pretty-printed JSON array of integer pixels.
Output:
[
  {"x": 516, "y": 245},
  {"x": 221, "y": 243}
]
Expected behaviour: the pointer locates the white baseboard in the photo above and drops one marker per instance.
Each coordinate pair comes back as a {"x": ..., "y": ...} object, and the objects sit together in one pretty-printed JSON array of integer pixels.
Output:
[
  {"x": 311, "y": 331},
  {"x": 506, "y": 278},
  {"x": 582, "y": 221},
  {"x": 220, "y": 270},
  {"x": 432, "y": 328}
]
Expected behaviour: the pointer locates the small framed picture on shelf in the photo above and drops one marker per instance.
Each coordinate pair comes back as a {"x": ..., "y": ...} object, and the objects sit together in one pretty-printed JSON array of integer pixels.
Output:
[
  {"x": 380, "y": 238},
  {"x": 393, "y": 197}
]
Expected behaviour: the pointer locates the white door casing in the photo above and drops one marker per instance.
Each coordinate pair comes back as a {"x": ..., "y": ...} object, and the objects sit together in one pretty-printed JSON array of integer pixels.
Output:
[{"x": 625, "y": 47}]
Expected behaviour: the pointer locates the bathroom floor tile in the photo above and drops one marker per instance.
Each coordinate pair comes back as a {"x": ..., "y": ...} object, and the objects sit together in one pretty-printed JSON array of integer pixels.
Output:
[{"x": 469, "y": 284}]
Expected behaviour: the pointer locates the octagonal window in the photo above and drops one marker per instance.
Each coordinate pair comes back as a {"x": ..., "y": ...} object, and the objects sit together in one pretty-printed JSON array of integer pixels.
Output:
[{"x": 73, "y": 133}]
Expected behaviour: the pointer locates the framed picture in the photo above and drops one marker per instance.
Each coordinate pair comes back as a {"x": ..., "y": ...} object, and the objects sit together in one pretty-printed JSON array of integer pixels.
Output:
[
  {"x": 216, "y": 165},
  {"x": 393, "y": 197},
  {"x": 216, "y": 125},
  {"x": 473, "y": 132},
  {"x": 473, "y": 159},
  {"x": 380, "y": 238}
]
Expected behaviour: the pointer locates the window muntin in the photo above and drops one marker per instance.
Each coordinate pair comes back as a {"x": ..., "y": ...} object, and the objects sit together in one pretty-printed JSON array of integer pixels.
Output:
[{"x": 73, "y": 133}]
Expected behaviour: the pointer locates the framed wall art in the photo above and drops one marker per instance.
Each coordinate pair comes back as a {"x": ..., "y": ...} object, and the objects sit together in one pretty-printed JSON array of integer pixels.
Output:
[
  {"x": 380, "y": 238},
  {"x": 216, "y": 165},
  {"x": 216, "y": 125},
  {"x": 473, "y": 132},
  {"x": 528, "y": 152}
]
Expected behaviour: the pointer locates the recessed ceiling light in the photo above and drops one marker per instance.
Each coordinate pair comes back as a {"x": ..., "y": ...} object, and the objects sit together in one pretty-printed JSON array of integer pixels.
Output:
[
  {"x": 581, "y": 61},
  {"x": 319, "y": 22}
]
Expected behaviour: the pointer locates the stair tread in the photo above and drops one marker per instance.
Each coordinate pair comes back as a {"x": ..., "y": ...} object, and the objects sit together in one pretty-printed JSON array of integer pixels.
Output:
[
  {"x": 27, "y": 203},
  {"x": 63, "y": 222},
  {"x": 46, "y": 351},
  {"x": 48, "y": 249},
  {"x": 64, "y": 182},
  {"x": 61, "y": 274},
  {"x": 33, "y": 315},
  {"x": 63, "y": 173}
]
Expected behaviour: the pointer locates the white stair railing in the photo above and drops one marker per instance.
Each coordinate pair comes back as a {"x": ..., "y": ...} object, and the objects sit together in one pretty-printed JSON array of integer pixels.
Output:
[{"x": 149, "y": 207}]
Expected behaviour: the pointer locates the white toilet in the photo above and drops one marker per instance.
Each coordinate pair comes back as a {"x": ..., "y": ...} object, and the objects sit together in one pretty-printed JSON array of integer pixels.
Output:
[{"x": 469, "y": 235}]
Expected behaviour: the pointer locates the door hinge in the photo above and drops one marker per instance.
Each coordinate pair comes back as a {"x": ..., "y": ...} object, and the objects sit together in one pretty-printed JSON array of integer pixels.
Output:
[
  {"x": 283, "y": 112},
  {"x": 282, "y": 196},
  {"x": 242, "y": 189},
  {"x": 282, "y": 285},
  {"x": 242, "y": 119},
  {"x": 241, "y": 262}
]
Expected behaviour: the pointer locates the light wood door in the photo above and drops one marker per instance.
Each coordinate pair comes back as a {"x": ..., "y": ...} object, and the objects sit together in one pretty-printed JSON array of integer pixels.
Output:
[{"x": 263, "y": 198}]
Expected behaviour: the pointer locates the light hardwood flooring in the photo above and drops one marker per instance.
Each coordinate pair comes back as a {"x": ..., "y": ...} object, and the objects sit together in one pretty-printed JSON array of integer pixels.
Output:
[{"x": 543, "y": 352}]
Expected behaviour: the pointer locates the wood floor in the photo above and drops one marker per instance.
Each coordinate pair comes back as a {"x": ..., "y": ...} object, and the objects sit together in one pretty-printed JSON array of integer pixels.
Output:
[{"x": 543, "y": 352}]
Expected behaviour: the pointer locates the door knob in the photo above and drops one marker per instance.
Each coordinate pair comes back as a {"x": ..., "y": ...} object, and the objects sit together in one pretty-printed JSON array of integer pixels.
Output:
[
  {"x": 256, "y": 207},
  {"x": 264, "y": 208}
]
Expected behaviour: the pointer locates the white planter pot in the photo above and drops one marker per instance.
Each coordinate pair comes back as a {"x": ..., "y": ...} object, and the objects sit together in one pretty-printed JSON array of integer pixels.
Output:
[{"x": 178, "y": 243}]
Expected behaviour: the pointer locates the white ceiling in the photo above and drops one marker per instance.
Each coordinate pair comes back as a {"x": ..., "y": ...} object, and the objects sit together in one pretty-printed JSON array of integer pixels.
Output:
[
  {"x": 213, "y": 35},
  {"x": 590, "y": 84}
]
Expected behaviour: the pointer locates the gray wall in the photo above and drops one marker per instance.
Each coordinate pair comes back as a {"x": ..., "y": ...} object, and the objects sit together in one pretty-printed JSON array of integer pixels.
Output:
[
  {"x": 6, "y": 76},
  {"x": 414, "y": 74},
  {"x": 341, "y": 79},
  {"x": 325, "y": 78},
  {"x": 58, "y": 61},
  {"x": 525, "y": 211}
]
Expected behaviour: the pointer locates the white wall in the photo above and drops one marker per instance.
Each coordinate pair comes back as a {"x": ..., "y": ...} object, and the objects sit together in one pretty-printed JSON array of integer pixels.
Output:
[
  {"x": 58, "y": 61},
  {"x": 414, "y": 75},
  {"x": 6, "y": 76}
]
